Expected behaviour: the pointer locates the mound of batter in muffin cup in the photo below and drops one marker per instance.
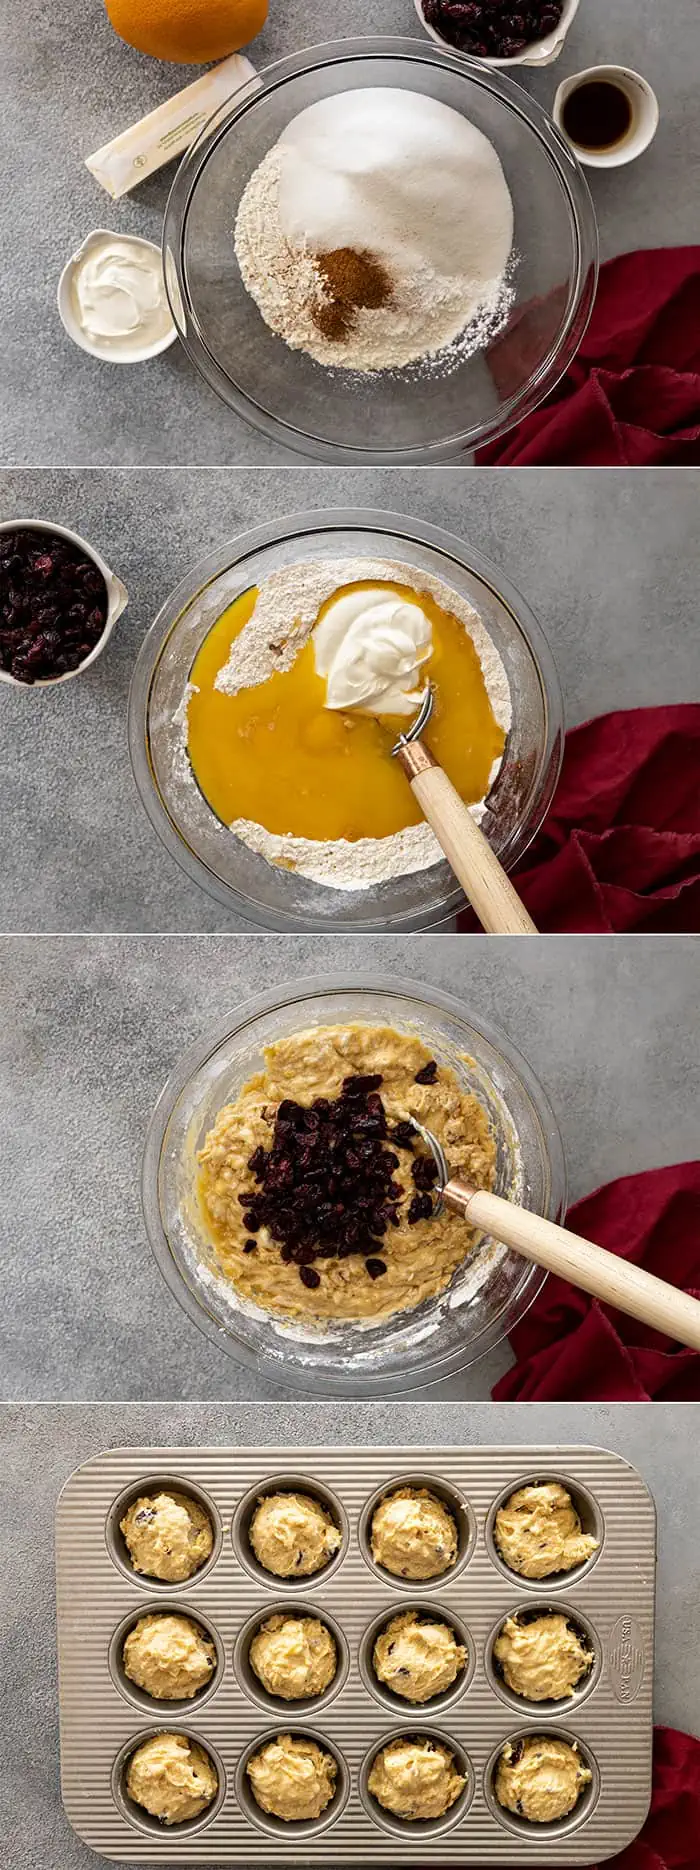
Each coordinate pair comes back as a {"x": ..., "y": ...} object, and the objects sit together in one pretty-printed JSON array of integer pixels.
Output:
[
  {"x": 413, "y": 1534},
  {"x": 540, "y": 1778},
  {"x": 169, "y": 1656},
  {"x": 292, "y": 1778},
  {"x": 415, "y": 1777},
  {"x": 294, "y": 1657},
  {"x": 538, "y": 1531},
  {"x": 168, "y": 1536},
  {"x": 543, "y": 1655},
  {"x": 293, "y": 1535},
  {"x": 417, "y": 1657},
  {"x": 172, "y": 1778}
]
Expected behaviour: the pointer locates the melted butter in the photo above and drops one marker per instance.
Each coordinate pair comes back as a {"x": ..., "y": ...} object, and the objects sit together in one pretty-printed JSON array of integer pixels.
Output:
[{"x": 276, "y": 755}]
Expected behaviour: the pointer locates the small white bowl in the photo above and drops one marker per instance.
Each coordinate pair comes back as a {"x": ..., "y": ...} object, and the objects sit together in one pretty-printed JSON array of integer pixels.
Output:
[
  {"x": 117, "y": 597},
  {"x": 645, "y": 115},
  {"x": 541, "y": 52},
  {"x": 67, "y": 311}
]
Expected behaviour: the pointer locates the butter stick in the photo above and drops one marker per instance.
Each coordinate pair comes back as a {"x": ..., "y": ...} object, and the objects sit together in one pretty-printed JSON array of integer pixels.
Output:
[{"x": 167, "y": 131}]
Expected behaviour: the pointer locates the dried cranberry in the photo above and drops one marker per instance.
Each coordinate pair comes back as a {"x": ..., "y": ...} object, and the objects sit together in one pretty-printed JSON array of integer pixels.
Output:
[
  {"x": 427, "y": 1074},
  {"x": 358, "y": 1087},
  {"x": 403, "y": 1134},
  {"x": 424, "y": 1171},
  {"x": 420, "y": 1209}
]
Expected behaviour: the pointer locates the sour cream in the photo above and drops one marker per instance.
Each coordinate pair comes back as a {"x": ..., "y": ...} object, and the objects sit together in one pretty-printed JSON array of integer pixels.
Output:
[
  {"x": 370, "y": 647},
  {"x": 118, "y": 296}
]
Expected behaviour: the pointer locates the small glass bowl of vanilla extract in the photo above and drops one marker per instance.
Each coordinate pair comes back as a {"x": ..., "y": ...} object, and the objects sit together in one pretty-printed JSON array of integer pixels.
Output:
[{"x": 607, "y": 115}]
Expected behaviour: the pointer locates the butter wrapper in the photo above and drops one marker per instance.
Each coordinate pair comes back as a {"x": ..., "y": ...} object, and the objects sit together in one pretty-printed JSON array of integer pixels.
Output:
[{"x": 168, "y": 131}]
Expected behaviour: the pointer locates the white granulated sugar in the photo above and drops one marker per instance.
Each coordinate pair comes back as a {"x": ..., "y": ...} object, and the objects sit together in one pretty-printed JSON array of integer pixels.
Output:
[
  {"x": 405, "y": 179},
  {"x": 281, "y": 623}
]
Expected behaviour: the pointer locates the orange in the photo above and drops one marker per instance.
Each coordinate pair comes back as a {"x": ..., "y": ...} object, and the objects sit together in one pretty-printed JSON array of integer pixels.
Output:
[{"x": 187, "y": 32}]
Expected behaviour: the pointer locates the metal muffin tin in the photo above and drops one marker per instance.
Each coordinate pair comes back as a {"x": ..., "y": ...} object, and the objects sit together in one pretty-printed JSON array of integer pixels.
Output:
[{"x": 103, "y": 1715}]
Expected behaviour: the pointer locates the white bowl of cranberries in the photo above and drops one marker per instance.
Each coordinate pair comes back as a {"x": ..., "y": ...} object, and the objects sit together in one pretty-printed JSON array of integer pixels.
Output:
[
  {"x": 500, "y": 32},
  {"x": 59, "y": 603}
]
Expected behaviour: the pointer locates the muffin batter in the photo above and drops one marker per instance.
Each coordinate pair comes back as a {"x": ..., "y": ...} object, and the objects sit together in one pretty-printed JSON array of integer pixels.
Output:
[
  {"x": 413, "y": 1535},
  {"x": 172, "y": 1778},
  {"x": 417, "y": 1658},
  {"x": 292, "y": 1535},
  {"x": 418, "y": 1258},
  {"x": 294, "y": 1657},
  {"x": 169, "y": 1657},
  {"x": 292, "y": 1778},
  {"x": 538, "y": 1531},
  {"x": 168, "y": 1535},
  {"x": 415, "y": 1778},
  {"x": 543, "y": 1658},
  {"x": 540, "y": 1778}
]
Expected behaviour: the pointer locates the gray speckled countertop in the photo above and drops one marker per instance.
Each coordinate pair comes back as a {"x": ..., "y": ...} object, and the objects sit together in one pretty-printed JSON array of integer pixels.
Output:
[
  {"x": 42, "y": 1445},
  {"x": 69, "y": 85},
  {"x": 610, "y": 564},
  {"x": 93, "y": 1025}
]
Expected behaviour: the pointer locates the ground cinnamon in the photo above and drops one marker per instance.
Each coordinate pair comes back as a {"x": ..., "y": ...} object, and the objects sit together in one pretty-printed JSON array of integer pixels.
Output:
[{"x": 351, "y": 282}]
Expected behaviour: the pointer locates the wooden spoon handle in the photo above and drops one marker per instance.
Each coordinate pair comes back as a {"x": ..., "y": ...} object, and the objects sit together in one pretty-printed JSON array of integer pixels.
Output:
[
  {"x": 627, "y": 1288},
  {"x": 468, "y": 852}
]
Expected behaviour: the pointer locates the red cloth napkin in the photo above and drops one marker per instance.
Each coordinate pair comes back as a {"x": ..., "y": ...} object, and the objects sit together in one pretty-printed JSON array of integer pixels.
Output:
[
  {"x": 569, "y": 1348},
  {"x": 620, "y": 846},
  {"x": 631, "y": 398},
  {"x": 670, "y": 1839}
]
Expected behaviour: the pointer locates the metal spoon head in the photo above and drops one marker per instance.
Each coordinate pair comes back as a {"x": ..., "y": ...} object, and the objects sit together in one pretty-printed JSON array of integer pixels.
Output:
[
  {"x": 440, "y": 1160},
  {"x": 422, "y": 718}
]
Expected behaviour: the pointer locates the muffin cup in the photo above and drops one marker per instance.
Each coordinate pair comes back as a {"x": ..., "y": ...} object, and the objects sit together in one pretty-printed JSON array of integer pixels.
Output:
[
  {"x": 276, "y": 1705},
  {"x": 240, "y": 1532},
  {"x": 522, "y": 1828},
  {"x": 164, "y": 1707},
  {"x": 460, "y": 1512},
  {"x": 423, "y": 1830},
  {"x": 137, "y": 1816},
  {"x": 398, "y": 1705},
  {"x": 118, "y": 1548},
  {"x": 540, "y": 1710},
  {"x": 299, "y": 1829},
  {"x": 591, "y": 1522}
]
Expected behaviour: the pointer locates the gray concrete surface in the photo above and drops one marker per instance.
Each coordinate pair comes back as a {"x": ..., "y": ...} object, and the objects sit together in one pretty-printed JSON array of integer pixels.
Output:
[
  {"x": 69, "y": 85},
  {"x": 91, "y": 1027},
  {"x": 609, "y": 563},
  {"x": 42, "y": 1445}
]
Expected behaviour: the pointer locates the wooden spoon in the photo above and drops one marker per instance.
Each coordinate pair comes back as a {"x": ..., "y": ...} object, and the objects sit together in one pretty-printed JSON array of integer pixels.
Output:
[
  {"x": 615, "y": 1282},
  {"x": 468, "y": 852}
]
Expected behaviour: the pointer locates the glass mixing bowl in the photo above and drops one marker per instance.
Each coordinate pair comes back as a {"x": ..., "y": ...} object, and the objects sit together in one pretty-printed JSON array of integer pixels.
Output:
[
  {"x": 208, "y": 852},
  {"x": 413, "y": 1349},
  {"x": 401, "y": 416}
]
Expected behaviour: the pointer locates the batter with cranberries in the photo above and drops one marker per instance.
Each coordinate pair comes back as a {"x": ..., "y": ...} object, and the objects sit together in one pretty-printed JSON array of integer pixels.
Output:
[{"x": 317, "y": 1191}]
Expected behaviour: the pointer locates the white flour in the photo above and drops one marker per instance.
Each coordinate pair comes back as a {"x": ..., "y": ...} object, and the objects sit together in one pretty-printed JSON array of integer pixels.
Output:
[
  {"x": 405, "y": 179},
  {"x": 280, "y": 625}
]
